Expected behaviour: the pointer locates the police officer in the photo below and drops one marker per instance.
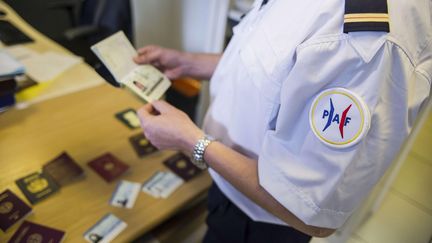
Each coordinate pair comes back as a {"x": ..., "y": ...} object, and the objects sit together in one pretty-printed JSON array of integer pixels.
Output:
[{"x": 310, "y": 103}]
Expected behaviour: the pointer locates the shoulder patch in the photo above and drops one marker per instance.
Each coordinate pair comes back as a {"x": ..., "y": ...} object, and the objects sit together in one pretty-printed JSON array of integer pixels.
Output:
[{"x": 339, "y": 118}]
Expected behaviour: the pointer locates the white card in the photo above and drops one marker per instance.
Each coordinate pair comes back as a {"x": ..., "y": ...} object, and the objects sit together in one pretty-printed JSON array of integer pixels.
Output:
[
  {"x": 125, "y": 194},
  {"x": 145, "y": 81},
  {"x": 148, "y": 186},
  {"x": 105, "y": 230},
  {"x": 169, "y": 184},
  {"x": 162, "y": 184}
]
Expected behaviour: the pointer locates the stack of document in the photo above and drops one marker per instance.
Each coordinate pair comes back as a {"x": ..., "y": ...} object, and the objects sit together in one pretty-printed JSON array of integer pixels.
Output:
[
  {"x": 43, "y": 67},
  {"x": 9, "y": 67}
]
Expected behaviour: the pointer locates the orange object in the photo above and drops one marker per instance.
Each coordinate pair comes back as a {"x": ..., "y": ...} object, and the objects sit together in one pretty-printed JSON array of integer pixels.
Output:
[{"x": 187, "y": 86}]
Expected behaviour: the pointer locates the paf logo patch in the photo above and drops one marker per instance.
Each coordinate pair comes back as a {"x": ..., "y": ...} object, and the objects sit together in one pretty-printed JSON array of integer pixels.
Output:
[{"x": 339, "y": 118}]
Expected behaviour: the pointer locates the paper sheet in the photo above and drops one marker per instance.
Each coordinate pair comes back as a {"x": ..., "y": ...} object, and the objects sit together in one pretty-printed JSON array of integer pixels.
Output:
[
  {"x": 47, "y": 66},
  {"x": 20, "y": 52}
]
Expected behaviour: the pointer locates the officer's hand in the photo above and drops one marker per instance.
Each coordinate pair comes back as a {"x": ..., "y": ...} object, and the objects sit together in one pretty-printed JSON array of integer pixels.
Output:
[
  {"x": 166, "y": 127},
  {"x": 174, "y": 64}
]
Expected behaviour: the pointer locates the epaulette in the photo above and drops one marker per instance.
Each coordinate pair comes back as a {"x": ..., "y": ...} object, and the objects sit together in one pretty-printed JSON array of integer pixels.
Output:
[{"x": 366, "y": 15}]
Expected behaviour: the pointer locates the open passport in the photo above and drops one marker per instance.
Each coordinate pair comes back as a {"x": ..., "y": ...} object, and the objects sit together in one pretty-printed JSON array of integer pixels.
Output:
[{"x": 117, "y": 53}]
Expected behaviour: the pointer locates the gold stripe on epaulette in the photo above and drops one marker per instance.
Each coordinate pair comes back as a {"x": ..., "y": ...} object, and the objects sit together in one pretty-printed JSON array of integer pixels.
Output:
[{"x": 366, "y": 17}]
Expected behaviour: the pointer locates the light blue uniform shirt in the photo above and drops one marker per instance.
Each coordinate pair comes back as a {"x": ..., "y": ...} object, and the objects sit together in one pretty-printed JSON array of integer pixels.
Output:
[{"x": 280, "y": 59}]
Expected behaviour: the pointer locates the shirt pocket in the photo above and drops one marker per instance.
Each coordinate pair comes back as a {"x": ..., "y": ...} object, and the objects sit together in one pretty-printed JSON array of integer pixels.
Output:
[
  {"x": 266, "y": 72},
  {"x": 262, "y": 66}
]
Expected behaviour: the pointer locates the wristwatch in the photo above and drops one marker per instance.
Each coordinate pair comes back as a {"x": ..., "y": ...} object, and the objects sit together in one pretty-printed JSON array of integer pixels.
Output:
[{"x": 198, "y": 151}]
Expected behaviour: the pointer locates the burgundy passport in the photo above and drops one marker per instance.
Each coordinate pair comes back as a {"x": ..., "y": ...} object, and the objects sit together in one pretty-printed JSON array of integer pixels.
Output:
[
  {"x": 181, "y": 165},
  {"x": 31, "y": 232},
  {"x": 12, "y": 209},
  {"x": 108, "y": 167},
  {"x": 142, "y": 145}
]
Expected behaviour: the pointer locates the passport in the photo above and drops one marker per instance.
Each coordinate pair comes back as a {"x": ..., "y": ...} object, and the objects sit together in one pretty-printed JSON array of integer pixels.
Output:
[
  {"x": 37, "y": 186},
  {"x": 63, "y": 169},
  {"x": 129, "y": 118},
  {"x": 142, "y": 145},
  {"x": 30, "y": 232},
  {"x": 181, "y": 165},
  {"x": 12, "y": 209},
  {"x": 108, "y": 167},
  {"x": 145, "y": 81}
]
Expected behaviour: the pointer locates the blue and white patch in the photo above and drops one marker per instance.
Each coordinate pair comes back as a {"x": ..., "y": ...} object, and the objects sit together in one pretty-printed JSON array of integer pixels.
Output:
[{"x": 339, "y": 118}]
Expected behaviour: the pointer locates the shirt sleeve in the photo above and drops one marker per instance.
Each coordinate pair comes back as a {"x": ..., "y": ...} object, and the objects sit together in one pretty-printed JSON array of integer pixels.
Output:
[{"x": 321, "y": 184}]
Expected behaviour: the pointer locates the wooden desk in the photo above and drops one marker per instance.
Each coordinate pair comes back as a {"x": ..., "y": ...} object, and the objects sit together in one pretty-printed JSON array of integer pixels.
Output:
[{"x": 83, "y": 124}]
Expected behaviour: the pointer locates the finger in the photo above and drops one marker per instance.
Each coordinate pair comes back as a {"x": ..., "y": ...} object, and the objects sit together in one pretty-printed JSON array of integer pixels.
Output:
[
  {"x": 145, "y": 112},
  {"x": 146, "y": 49},
  {"x": 149, "y": 57},
  {"x": 142, "y": 52},
  {"x": 137, "y": 60},
  {"x": 162, "y": 106},
  {"x": 173, "y": 73}
]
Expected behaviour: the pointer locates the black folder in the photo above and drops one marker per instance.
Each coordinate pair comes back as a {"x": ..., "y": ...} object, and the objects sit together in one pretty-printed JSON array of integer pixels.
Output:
[{"x": 11, "y": 35}]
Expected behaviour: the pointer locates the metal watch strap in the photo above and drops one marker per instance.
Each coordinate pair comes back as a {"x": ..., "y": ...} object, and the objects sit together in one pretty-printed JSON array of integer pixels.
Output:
[{"x": 198, "y": 151}]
